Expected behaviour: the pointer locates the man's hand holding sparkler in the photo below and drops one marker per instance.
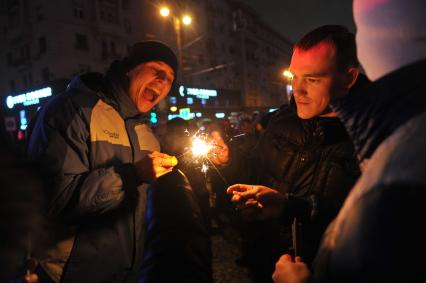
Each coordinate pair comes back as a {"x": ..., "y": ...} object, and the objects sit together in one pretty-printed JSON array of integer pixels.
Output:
[
  {"x": 219, "y": 152},
  {"x": 155, "y": 165},
  {"x": 257, "y": 202},
  {"x": 291, "y": 271}
]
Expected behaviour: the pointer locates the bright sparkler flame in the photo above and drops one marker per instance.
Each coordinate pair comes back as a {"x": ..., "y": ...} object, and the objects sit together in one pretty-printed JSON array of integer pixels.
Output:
[
  {"x": 204, "y": 168},
  {"x": 200, "y": 147}
]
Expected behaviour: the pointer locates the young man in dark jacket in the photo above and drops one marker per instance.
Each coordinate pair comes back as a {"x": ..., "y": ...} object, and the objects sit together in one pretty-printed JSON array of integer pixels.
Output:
[
  {"x": 378, "y": 235},
  {"x": 96, "y": 140},
  {"x": 304, "y": 163}
]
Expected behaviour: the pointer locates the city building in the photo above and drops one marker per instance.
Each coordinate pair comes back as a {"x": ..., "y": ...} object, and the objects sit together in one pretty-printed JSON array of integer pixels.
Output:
[{"x": 231, "y": 60}]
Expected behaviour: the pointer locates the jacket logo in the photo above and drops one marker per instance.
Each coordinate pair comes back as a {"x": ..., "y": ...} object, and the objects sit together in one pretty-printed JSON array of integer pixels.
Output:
[{"x": 111, "y": 134}]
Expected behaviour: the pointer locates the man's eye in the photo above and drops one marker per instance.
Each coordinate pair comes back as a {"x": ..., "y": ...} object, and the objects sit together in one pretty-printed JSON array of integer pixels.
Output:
[{"x": 312, "y": 80}]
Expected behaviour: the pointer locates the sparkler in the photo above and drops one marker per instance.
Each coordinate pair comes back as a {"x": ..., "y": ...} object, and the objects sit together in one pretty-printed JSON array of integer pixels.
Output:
[{"x": 200, "y": 148}]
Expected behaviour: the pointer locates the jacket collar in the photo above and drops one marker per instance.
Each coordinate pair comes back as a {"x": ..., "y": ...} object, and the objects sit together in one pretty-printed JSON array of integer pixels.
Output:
[
  {"x": 116, "y": 85},
  {"x": 371, "y": 112}
]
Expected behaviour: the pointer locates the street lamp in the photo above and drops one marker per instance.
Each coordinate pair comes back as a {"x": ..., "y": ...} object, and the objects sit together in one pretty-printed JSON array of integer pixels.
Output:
[
  {"x": 164, "y": 11},
  {"x": 289, "y": 88},
  {"x": 288, "y": 75},
  {"x": 186, "y": 20}
]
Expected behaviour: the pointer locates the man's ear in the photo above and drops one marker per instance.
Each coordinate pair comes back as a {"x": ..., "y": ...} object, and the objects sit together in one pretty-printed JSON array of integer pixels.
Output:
[{"x": 351, "y": 75}]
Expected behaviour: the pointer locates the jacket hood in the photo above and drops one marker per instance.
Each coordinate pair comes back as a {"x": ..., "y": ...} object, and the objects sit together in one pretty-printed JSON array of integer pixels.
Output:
[
  {"x": 111, "y": 87},
  {"x": 371, "y": 112}
]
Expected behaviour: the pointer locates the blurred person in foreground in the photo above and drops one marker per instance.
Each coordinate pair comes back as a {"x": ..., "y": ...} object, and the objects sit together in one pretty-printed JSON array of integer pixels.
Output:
[
  {"x": 97, "y": 143},
  {"x": 21, "y": 215},
  {"x": 304, "y": 163},
  {"x": 378, "y": 235}
]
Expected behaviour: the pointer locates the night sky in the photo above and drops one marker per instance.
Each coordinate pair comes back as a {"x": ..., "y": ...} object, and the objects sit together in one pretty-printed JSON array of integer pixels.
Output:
[{"x": 294, "y": 18}]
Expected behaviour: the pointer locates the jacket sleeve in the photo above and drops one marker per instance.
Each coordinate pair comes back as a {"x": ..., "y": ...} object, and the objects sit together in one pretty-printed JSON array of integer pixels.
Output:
[
  {"x": 382, "y": 238},
  {"x": 61, "y": 140}
]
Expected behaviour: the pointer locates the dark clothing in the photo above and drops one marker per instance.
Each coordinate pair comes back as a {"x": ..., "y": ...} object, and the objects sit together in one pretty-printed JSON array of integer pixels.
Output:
[
  {"x": 311, "y": 162},
  {"x": 182, "y": 253},
  {"x": 89, "y": 137},
  {"x": 378, "y": 234}
]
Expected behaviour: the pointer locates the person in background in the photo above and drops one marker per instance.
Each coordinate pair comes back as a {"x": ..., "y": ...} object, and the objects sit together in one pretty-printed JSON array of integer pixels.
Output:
[{"x": 378, "y": 235}]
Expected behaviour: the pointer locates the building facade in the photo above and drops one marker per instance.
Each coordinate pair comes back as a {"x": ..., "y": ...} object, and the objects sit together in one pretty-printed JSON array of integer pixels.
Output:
[{"x": 227, "y": 48}]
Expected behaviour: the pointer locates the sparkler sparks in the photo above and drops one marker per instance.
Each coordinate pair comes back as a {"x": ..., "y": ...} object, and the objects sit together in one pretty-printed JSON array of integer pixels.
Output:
[
  {"x": 199, "y": 151},
  {"x": 200, "y": 147}
]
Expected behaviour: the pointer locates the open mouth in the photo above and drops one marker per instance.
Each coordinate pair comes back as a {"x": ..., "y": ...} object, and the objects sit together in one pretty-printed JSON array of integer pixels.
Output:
[{"x": 151, "y": 94}]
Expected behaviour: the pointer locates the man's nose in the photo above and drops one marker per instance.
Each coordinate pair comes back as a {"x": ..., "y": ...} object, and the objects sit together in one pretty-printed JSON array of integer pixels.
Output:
[{"x": 299, "y": 87}]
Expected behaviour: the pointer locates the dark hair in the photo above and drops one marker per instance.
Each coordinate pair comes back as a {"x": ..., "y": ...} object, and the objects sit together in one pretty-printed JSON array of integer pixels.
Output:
[{"x": 338, "y": 36}]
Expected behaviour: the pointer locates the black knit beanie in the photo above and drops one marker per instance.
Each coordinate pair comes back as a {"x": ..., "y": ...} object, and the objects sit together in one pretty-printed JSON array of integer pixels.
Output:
[{"x": 147, "y": 51}]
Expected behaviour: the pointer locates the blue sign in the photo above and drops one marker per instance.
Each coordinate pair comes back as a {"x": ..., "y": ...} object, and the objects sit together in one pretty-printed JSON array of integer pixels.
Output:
[
  {"x": 199, "y": 93},
  {"x": 28, "y": 98}
]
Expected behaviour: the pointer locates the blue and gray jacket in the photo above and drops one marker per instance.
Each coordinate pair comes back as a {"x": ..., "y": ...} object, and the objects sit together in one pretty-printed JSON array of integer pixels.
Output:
[{"x": 89, "y": 137}]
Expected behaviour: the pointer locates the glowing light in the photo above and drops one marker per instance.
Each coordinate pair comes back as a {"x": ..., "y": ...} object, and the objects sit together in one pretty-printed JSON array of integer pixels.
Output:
[
  {"x": 288, "y": 74},
  {"x": 220, "y": 115},
  {"x": 29, "y": 98},
  {"x": 200, "y": 147},
  {"x": 173, "y": 108},
  {"x": 204, "y": 168},
  {"x": 164, "y": 11},
  {"x": 186, "y": 20}
]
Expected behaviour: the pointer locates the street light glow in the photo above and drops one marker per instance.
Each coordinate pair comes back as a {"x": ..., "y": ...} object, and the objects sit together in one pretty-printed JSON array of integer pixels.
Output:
[
  {"x": 288, "y": 74},
  {"x": 164, "y": 11},
  {"x": 186, "y": 20}
]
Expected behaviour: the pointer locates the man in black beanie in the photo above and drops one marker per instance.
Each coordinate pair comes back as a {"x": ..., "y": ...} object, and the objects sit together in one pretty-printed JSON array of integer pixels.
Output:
[{"x": 96, "y": 141}]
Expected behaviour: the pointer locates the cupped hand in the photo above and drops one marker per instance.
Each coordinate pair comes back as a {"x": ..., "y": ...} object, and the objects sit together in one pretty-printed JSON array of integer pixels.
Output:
[
  {"x": 155, "y": 165},
  {"x": 269, "y": 202}
]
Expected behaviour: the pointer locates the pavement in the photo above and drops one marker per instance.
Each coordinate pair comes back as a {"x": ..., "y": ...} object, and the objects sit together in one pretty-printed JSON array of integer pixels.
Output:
[{"x": 226, "y": 249}]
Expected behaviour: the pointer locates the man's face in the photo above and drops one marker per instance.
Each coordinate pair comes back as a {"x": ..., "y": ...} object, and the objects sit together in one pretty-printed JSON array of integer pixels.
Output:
[
  {"x": 315, "y": 77},
  {"x": 149, "y": 83}
]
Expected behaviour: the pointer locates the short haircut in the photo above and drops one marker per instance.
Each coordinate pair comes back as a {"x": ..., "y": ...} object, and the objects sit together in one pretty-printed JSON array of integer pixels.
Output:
[{"x": 339, "y": 37}]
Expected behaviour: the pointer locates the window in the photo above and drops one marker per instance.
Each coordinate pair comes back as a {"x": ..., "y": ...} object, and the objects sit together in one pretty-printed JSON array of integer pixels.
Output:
[
  {"x": 113, "y": 50},
  {"x": 45, "y": 75},
  {"x": 13, "y": 18},
  {"x": 78, "y": 13},
  {"x": 78, "y": 9},
  {"x": 39, "y": 14},
  {"x": 25, "y": 52},
  {"x": 42, "y": 44},
  {"x": 12, "y": 86},
  {"x": 109, "y": 11},
  {"x": 104, "y": 50},
  {"x": 125, "y": 4},
  {"x": 81, "y": 42},
  {"x": 9, "y": 59}
]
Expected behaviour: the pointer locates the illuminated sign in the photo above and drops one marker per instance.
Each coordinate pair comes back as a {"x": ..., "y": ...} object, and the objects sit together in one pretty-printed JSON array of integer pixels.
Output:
[
  {"x": 199, "y": 93},
  {"x": 184, "y": 113},
  {"x": 220, "y": 115},
  {"x": 29, "y": 98},
  {"x": 23, "y": 120},
  {"x": 153, "y": 118}
]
